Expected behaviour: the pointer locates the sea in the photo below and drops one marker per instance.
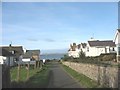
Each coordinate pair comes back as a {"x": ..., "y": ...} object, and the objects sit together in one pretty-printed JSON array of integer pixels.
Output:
[{"x": 51, "y": 56}]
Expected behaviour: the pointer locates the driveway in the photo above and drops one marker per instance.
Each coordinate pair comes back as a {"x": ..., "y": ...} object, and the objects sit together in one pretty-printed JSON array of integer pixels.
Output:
[{"x": 60, "y": 79}]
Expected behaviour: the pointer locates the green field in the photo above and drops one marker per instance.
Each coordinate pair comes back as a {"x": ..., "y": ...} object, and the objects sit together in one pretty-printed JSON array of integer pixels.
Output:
[
  {"x": 37, "y": 77},
  {"x": 82, "y": 79}
]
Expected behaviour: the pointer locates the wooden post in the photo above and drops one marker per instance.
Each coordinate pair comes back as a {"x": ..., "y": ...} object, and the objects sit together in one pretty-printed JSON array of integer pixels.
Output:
[
  {"x": 18, "y": 72},
  {"x": 28, "y": 70},
  {"x": 35, "y": 65}
]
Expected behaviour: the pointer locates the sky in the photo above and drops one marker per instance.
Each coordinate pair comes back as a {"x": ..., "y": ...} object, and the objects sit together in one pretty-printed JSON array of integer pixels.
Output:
[{"x": 55, "y": 25}]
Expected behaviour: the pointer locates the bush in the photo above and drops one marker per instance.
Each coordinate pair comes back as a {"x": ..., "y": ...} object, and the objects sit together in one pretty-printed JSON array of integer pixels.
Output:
[
  {"x": 108, "y": 57},
  {"x": 66, "y": 57},
  {"x": 82, "y": 55}
]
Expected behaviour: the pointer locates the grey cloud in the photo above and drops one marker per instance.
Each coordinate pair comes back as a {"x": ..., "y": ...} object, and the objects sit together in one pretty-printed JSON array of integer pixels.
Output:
[
  {"x": 32, "y": 39},
  {"x": 49, "y": 40}
]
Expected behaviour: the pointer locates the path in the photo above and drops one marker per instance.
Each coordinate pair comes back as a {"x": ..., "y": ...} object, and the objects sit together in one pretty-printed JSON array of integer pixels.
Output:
[{"x": 60, "y": 79}]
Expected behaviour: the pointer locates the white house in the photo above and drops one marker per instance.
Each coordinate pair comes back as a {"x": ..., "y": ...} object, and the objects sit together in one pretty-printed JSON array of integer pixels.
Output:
[
  {"x": 117, "y": 42},
  {"x": 74, "y": 50},
  {"x": 83, "y": 47},
  {"x": 6, "y": 57},
  {"x": 96, "y": 47}
]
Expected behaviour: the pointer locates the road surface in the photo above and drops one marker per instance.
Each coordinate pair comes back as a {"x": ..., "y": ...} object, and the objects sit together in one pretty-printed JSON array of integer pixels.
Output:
[{"x": 60, "y": 79}]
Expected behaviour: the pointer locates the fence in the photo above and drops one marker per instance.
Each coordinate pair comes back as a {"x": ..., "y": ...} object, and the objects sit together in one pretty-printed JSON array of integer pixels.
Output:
[
  {"x": 5, "y": 76},
  {"x": 6, "y": 80}
]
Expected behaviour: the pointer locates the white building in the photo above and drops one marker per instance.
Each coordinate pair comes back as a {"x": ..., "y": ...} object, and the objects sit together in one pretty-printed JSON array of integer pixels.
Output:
[
  {"x": 117, "y": 41},
  {"x": 96, "y": 47},
  {"x": 74, "y": 50}
]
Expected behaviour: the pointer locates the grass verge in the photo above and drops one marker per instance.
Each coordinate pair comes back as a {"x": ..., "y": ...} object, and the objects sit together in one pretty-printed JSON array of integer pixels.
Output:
[
  {"x": 38, "y": 78},
  {"x": 23, "y": 73},
  {"x": 82, "y": 79}
]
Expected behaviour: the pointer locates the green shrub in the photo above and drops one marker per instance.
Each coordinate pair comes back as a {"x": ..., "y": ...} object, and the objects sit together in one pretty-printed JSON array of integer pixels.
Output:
[
  {"x": 108, "y": 57},
  {"x": 66, "y": 58},
  {"x": 82, "y": 55}
]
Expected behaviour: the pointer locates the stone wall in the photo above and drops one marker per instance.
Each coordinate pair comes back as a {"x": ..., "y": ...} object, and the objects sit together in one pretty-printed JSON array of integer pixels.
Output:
[{"x": 103, "y": 75}]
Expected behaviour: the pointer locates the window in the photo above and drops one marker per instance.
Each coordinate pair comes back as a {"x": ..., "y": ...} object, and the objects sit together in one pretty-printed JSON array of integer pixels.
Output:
[
  {"x": 113, "y": 49},
  {"x": 118, "y": 50},
  {"x": 88, "y": 49}
]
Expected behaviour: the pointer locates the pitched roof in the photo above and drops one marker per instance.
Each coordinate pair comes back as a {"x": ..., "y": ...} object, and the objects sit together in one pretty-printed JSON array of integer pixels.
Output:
[
  {"x": 118, "y": 30},
  {"x": 83, "y": 45},
  {"x": 4, "y": 52},
  {"x": 17, "y": 49},
  {"x": 101, "y": 43},
  {"x": 29, "y": 53},
  {"x": 33, "y": 51},
  {"x": 78, "y": 46}
]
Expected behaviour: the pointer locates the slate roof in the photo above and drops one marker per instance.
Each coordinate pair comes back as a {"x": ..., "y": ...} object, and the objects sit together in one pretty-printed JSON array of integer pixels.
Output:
[
  {"x": 102, "y": 43},
  {"x": 78, "y": 46},
  {"x": 4, "y": 52},
  {"x": 34, "y": 52},
  {"x": 118, "y": 30},
  {"x": 29, "y": 53},
  {"x": 18, "y": 50},
  {"x": 83, "y": 45}
]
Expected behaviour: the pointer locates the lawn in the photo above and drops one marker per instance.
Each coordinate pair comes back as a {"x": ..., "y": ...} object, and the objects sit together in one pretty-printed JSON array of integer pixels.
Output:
[
  {"x": 37, "y": 77},
  {"x": 82, "y": 79}
]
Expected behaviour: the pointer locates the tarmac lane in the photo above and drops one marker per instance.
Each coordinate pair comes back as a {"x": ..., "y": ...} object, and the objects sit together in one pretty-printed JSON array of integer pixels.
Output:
[{"x": 60, "y": 79}]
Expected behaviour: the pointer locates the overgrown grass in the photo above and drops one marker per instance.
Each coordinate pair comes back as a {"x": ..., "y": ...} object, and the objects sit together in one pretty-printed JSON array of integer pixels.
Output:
[
  {"x": 23, "y": 73},
  {"x": 82, "y": 79},
  {"x": 38, "y": 78}
]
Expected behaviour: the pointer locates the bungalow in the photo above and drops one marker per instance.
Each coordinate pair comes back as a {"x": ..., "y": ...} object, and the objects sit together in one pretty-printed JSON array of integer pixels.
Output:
[
  {"x": 6, "y": 57},
  {"x": 31, "y": 55},
  {"x": 96, "y": 47}
]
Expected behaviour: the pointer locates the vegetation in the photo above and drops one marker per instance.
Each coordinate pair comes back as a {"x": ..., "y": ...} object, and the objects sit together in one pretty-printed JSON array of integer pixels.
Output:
[
  {"x": 107, "y": 57},
  {"x": 23, "y": 73},
  {"x": 82, "y": 55},
  {"x": 82, "y": 79},
  {"x": 103, "y": 59},
  {"x": 38, "y": 77},
  {"x": 66, "y": 58}
]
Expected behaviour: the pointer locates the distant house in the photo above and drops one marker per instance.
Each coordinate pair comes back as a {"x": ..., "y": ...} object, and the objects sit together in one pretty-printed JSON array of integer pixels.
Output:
[
  {"x": 17, "y": 51},
  {"x": 83, "y": 47},
  {"x": 6, "y": 57},
  {"x": 96, "y": 47},
  {"x": 31, "y": 55},
  {"x": 74, "y": 50},
  {"x": 117, "y": 41}
]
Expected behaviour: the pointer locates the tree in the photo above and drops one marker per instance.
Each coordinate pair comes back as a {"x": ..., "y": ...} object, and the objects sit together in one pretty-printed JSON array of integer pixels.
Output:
[{"x": 82, "y": 55}]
